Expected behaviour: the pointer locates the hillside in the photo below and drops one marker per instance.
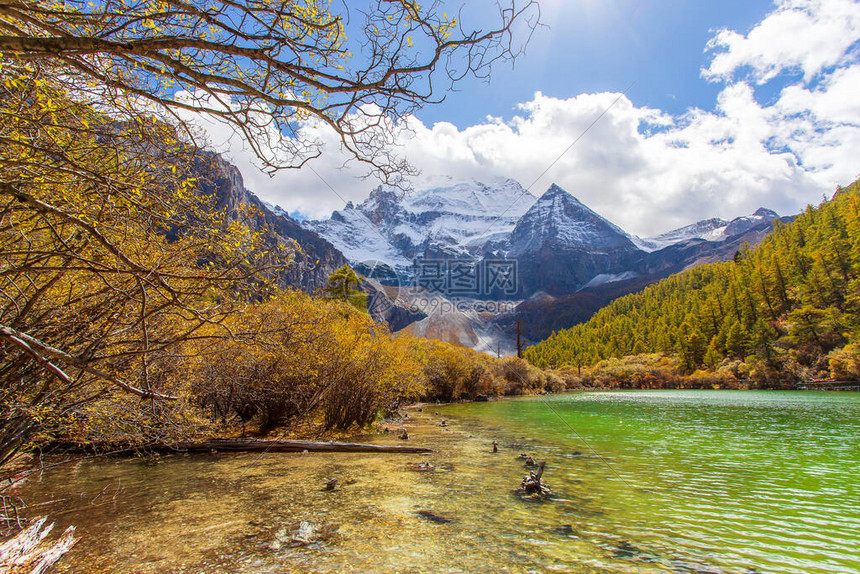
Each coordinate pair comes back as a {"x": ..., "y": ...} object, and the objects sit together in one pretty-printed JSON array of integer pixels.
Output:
[
  {"x": 314, "y": 258},
  {"x": 786, "y": 309}
]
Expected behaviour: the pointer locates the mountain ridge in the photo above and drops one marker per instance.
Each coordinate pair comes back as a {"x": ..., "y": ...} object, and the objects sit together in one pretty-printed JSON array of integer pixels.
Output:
[
  {"x": 576, "y": 258},
  {"x": 560, "y": 245}
]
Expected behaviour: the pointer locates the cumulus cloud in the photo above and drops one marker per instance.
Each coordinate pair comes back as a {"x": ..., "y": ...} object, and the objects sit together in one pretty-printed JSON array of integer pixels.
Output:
[
  {"x": 644, "y": 169},
  {"x": 805, "y": 35}
]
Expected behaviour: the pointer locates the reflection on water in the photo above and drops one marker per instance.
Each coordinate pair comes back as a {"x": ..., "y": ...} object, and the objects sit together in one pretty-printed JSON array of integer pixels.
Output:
[{"x": 684, "y": 481}]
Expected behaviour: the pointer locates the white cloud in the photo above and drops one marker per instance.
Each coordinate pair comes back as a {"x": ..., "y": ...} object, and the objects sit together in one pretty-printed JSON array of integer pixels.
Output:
[
  {"x": 642, "y": 168},
  {"x": 805, "y": 35}
]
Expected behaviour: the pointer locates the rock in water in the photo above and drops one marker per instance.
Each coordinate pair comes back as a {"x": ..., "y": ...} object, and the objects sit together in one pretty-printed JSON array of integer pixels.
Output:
[
  {"x": 303, "y": 534},
  {"x": 433, "y": 517}
]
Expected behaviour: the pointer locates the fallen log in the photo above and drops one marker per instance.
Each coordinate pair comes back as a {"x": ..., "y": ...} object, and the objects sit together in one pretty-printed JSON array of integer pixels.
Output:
[
  {"x": 28, "y": 551},
  {"x": 222, "y": 445},
  {"x": 236, "y": 445}
]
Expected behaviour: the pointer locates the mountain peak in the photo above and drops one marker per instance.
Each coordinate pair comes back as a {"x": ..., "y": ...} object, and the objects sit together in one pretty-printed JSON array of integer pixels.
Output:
[
  {"x": 381, "y": 194},
  {"x": 441, "y": 217},
  {"x": 556, "y": 190},
  {"x": 765, "y": 213},
  {"x": 560, "y": 218}
]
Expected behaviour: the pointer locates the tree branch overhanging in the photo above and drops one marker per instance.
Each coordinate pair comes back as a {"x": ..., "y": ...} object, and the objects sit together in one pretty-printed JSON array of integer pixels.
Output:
[
  {"x": 43, "y": 352},
  {"x": 265, "y": 68}
]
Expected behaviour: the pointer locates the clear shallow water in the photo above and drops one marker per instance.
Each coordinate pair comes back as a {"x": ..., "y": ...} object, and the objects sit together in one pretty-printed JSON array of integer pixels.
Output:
[{"x": 677, "y": 481}]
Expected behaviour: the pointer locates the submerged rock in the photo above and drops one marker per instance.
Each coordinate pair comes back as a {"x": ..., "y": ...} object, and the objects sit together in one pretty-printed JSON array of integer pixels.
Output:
[
  {"x": 303, "y": 533},
  {"x": 625, "y": 550},
  {"x": 433, "y": 517}
]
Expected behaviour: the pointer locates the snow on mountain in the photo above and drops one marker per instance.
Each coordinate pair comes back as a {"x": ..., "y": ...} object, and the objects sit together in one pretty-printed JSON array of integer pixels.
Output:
[
  {"x": 714, "y": 229},
  {"x": 559, "y": 218},
  {"x": 605, "y": 278},
  {"x": 442, "y": 217},
  {"x": 560, "y": 245},
  {"x": 276, "y": 209},
  {"x": 742, "y": 224},
  {"x": 709, "y": 229},
  {"x": 358, "y": 238}
]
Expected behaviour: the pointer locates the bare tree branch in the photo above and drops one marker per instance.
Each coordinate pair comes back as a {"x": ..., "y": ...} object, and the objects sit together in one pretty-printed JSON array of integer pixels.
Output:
[{"x": 267, "y": 67}]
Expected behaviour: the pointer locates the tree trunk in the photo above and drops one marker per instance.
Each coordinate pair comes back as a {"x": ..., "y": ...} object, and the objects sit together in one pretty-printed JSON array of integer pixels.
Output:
[{"x": 249, "y": 445}]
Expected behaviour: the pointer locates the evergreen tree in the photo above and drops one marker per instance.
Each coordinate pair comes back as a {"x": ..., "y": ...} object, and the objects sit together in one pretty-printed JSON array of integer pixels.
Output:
[
  {"x": 344, "y": 284},
  {"x": 790, "y": 302}
]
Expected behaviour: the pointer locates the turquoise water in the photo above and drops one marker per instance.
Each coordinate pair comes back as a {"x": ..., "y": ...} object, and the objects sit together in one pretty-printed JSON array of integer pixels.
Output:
[
  {"x": 662, "y": 481},
  {"x": 739, "y": 481}
]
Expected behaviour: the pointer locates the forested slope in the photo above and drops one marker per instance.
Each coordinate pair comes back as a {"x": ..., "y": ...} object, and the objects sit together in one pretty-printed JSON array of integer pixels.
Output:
[{"x": 786, "y": 309}]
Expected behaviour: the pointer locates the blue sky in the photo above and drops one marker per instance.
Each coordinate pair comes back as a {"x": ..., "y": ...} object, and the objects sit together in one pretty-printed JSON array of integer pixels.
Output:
[
  {"x": 734, "y": 105},
  {"x": 658, "y": 46}
]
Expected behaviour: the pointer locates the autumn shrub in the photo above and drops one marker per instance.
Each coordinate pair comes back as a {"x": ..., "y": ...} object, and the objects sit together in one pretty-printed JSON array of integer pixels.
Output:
[
  {"x": 296, "y": 356},
  {"x": 521, "y": 378},
  {"x": 767, "y": 374},
  {"x": 379, "y": 376},
  {"x": 653, "y": 371},
  {"x": 701, "y": 379},
  {"x": 573, "y": 378},
  {"x": 553, "y": 383},
  {"x": 845, "y": 363},
  {"x": 112, "y": 259},
  {"x": 453, "y": 372},
  {"x": 445, "y": 367}
]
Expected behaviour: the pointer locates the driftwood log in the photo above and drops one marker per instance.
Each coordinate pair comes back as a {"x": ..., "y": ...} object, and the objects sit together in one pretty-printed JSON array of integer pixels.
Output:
[
  {"x": 533, "y": 485},
  {"x": 285, "y": 446},
  {"x": 241, "y": 445},
  {"x": 29, "y": 552}
]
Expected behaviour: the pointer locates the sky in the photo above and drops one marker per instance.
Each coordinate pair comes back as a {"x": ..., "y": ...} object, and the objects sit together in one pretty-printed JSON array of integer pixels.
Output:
[{"x": 654, "y": 113}]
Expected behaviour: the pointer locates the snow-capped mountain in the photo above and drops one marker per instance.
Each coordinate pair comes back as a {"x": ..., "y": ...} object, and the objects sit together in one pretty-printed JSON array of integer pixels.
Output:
[
  {"x": 563, "y": 251},
  {"x": 743, "y": 224},
  {"x": 276, "y": 210},
  {"x": 714, "y": 229},
  {"x": 558, "y": 218},
  {"x": 560, "y": 245},
  {"x": 708, "y": 229},
  {"x": 442, "y": 218}
]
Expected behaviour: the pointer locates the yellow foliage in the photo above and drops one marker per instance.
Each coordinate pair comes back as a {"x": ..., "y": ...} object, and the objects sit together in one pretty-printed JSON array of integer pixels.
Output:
[{"x": 295, "y": 356}]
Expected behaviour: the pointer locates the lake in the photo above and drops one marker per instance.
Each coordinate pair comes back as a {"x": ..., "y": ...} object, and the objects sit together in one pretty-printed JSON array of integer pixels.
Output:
[{"x": 644, "y": 481}]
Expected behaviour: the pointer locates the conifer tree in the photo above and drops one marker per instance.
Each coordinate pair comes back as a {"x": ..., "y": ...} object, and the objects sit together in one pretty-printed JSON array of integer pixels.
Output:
[{"x": 344, "y": 284}]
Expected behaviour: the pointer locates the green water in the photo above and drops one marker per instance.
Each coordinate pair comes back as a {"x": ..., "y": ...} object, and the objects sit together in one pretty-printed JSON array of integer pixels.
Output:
[{"x": 666, "y": 481}]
